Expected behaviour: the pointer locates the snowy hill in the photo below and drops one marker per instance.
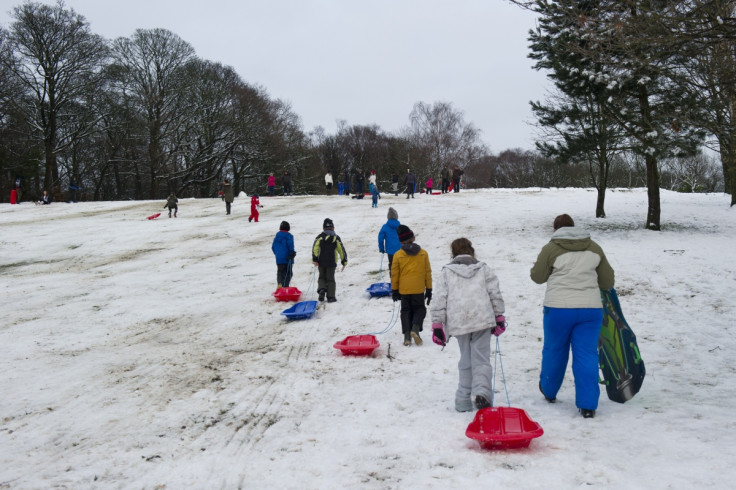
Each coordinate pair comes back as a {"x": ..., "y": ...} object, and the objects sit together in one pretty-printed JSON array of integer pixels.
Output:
[{"x": 151, "y": 354}]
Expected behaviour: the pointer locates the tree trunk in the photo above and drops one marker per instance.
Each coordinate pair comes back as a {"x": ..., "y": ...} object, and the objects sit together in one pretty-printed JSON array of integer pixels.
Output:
[
  {"x": 51, "y": 178},
  {"x": 728, "y": 156},
  {"x": 653, "y": 210},
  {"x": 599, "y": 209},
  {"x": 730, "y": 183},
  {"x": 602, "y": 184},
  {"x": 728, "y": 160}
]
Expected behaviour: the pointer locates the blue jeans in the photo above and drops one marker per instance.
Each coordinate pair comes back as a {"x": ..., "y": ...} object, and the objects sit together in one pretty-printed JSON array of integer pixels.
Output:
[{"x": 577, "y": 329}]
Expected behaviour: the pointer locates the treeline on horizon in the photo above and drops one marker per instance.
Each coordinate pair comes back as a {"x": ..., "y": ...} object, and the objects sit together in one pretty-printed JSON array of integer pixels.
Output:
[{"x": 142, "y": 116}]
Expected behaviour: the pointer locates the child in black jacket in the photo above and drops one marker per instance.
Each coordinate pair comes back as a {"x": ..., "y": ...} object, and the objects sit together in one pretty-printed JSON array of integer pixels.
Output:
[{"x": 325, "y": 251}]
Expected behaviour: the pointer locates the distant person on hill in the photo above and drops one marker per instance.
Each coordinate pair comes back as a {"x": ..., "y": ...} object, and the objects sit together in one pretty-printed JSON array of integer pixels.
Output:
[
  {"x": 171, "y": 203},
  {"x": 395, "y": 183},
  {"x": 411, "y": 283},
  {"x": 287, "y": 184},
  {"x": 575, "y": 270},
  {"x": 227, "y": 195},
  {"x": 73, "y": 189},
  {"x": 347, "y": 183},
  {"x": 429, "y": 186},
  {"x": 375, "y": 195},
  {"x": 255, "y": 203},
  {"x": 328, "y": 182},
  {"x": 271, "y": 183},
  {"x": 340, "y": 183},
  {"x": 326, "y": 250},
  {"x": 45, "y": 199},
  {"x": 283, "y": 249},
  {"x": 468, "y": 306},
  {"x": 359, "y": 178},
  {"x": 410, "y": 180},
  {"x": 19, "y": 189},
  {"x": 445, "y": 175},
  {"x": 372, "y": 179},
  {"x": 456, "y": 175},
  {"x": 358, "y": 192}
]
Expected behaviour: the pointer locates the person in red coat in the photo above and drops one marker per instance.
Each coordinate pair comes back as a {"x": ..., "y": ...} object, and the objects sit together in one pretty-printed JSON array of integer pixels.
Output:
[{"x": 254, "y": 205}]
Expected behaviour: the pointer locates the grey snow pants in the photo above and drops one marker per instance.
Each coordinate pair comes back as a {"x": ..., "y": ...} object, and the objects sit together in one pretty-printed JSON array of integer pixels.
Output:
[{"x": 475, "y": 365}]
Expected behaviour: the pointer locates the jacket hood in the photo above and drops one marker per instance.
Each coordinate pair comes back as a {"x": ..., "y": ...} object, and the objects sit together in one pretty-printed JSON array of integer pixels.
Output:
[
  {"x": 464, "y": 266},
  {"x": 410, "y": 248},
  {"x": 571, "y": 238}
]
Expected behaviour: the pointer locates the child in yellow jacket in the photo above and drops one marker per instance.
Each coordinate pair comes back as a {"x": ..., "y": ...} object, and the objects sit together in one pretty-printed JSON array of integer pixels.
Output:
[{"x": 411, "y": 283}]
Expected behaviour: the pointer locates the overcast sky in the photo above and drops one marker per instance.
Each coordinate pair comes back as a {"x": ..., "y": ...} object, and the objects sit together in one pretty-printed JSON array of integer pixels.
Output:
[{"x": 362, "y": 61}]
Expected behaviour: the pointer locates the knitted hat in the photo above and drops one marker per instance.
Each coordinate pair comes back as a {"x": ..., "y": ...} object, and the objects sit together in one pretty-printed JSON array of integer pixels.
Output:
[
  {"x": 328, "y": 224},
  {"x": 405, "y": 233},
  {"x": 392, "y": 214},
  {"x": 284, "y": 226}
]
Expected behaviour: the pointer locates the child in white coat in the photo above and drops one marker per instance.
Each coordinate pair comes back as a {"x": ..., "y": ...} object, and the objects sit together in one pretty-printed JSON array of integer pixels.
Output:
[{"x": 468, "y": 305}]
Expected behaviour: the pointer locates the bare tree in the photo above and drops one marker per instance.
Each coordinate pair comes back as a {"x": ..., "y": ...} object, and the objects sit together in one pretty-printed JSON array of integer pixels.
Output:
[
  {"x": 443, "y": 137},
  {"x": 58, "y": 61},
  {"x": 698, "y": 173},
  {"x": 709, "y": 69},
  {"x": 209, "y": 135},
  {"x": 150, "y": 67}
]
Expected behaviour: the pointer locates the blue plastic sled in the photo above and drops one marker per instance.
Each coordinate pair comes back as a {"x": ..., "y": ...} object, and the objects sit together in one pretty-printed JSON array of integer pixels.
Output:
[
  {"x": 301, "y": 310},
  {"x": 379, "y": 289}
]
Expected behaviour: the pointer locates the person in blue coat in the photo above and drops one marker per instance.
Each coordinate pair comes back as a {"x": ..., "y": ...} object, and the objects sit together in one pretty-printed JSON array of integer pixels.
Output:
[
  {"x": 388, "y": 239},
  {"x": 283, "y": 249}
]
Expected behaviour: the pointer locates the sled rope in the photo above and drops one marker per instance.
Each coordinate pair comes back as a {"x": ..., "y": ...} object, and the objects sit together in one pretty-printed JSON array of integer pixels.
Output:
[
  {"x": 391, "y": 323},
  {"x": 380, "y": 270},
  {"x": 497, "y": 358},
  {"x": 310, "y": 286}
]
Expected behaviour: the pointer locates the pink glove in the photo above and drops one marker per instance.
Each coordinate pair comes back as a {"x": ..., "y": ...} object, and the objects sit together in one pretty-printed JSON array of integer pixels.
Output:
[
  {"x": 438, "y": 334},
  {"x": 500, "y": 325}
]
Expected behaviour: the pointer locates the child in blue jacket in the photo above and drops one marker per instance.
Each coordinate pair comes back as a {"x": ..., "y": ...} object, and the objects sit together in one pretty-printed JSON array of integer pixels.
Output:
[
  {"x": 388, "y": 239},
  {"x": 375, "y": 195},
  {"x": 283, "y": 249}
]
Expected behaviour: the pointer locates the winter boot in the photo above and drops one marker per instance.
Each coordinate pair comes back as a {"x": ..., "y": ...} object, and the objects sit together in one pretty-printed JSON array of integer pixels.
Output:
[
  {"x": 481, "y": 402},
  {"x": 415, "y": 334},
  {"x": 586, "y": 413},
  {"x": 322, "y": 293},
  {"x": 464, "y": 405},
  {"x": 407, "y": 339},
  {"x": 332, "y": 300},
  {"x": 550, "y": 400}
]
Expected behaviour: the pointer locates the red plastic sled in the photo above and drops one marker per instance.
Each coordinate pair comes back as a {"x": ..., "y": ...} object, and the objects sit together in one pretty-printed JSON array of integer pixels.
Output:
[
  {"x": 154, "y": 216},
  {"x": 357, "y": 345},
  {"x": 503, "y": 428},
  {"x": 287, "y": 294}
]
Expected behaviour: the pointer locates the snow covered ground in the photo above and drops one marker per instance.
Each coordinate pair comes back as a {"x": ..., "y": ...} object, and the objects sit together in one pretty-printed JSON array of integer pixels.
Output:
[{"x": 151, "y": 354}]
